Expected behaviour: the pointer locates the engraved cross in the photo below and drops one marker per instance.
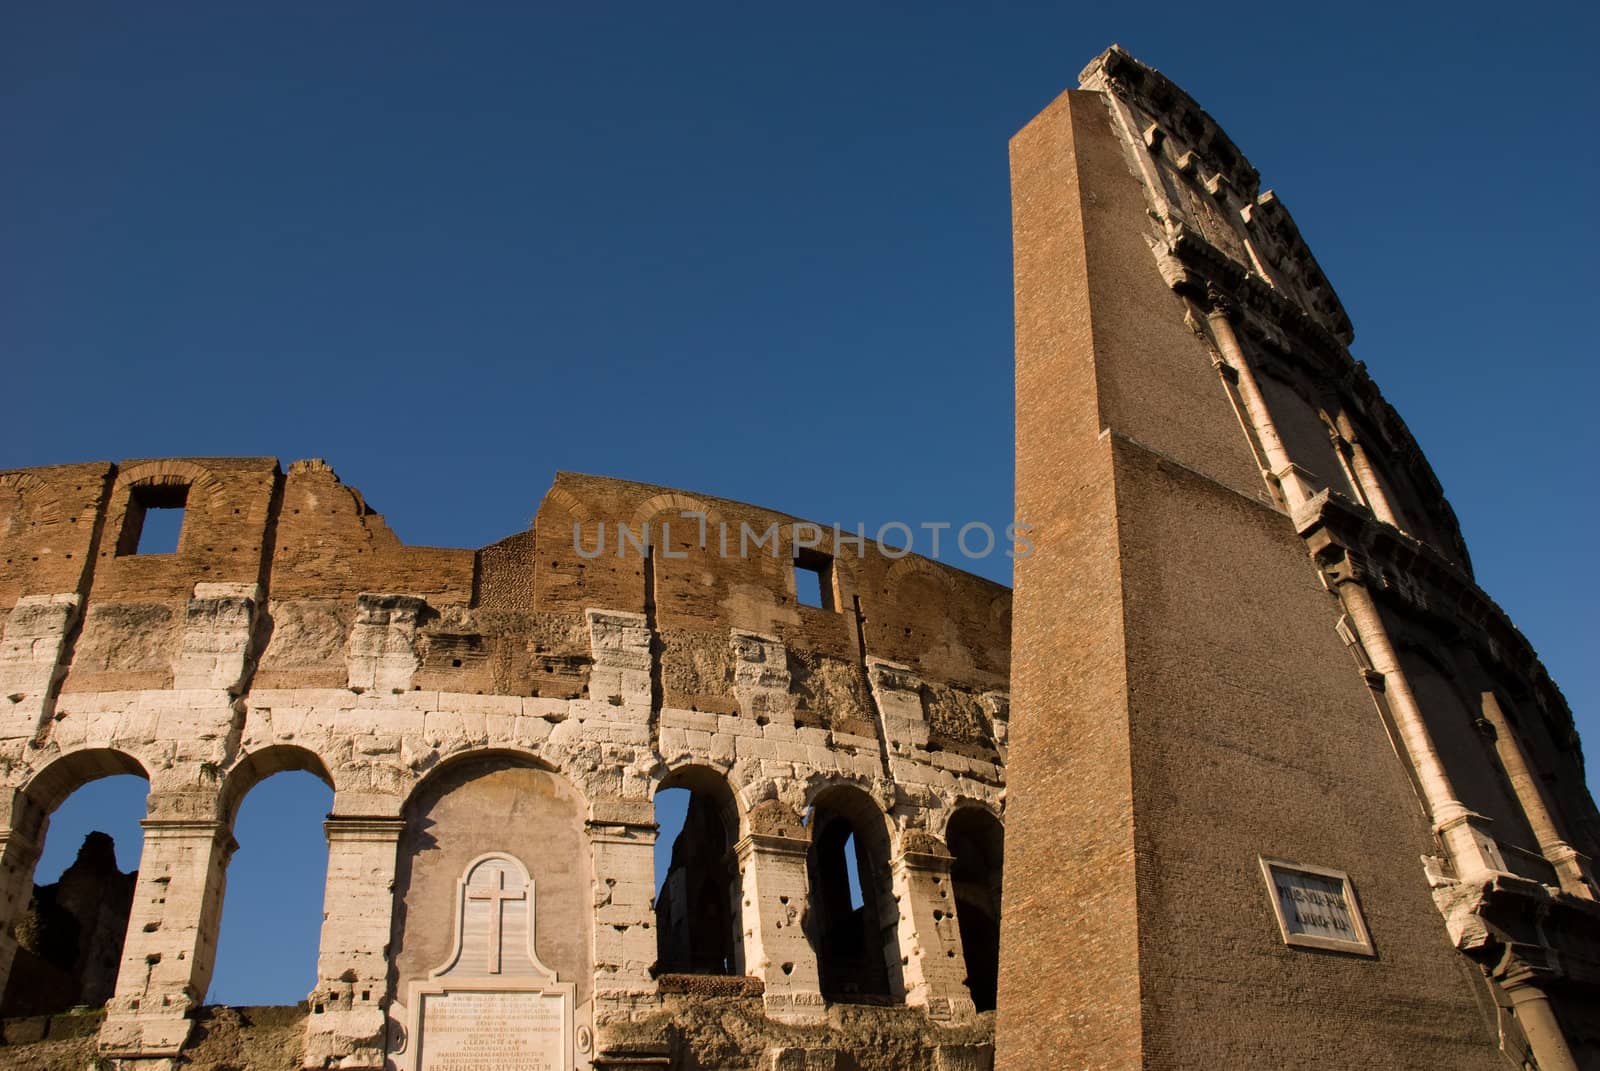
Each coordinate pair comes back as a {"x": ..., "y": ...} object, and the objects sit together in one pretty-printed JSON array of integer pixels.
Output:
[{"x": 496, "y": 895}]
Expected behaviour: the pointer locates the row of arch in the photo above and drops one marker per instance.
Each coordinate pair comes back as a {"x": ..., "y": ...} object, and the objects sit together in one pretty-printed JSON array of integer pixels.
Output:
[
  {"x": 850, "y": 915},
  {"x": 287, "y": 879}
]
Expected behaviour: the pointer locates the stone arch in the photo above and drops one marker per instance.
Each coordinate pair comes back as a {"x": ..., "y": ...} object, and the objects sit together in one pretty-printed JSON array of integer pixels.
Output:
[
  {"x": 448, "y": 765},
  {"x": 167, "y": 472},
  {"x": 203, "y": 490},
  {"x": 993, "y": 808},
  {"x": 244, "y": 908},
  {"x": 698, "y": 916},
  {"x": 22, "y": 494},
  {"x": 492, "y": 800},
  {"x": 976, "y": 840},
  {"x": 857, "y": 947},
  {"x": 262, "y": 763},
  {"x": 569, "y": 503},
  {"x": 70, "y": 771},
  {"x": 676, "y": 502},
  {"x": 702, "y": 778},
  {"x": 915, "y": 567},
  {"x": 77, "y": 933}
]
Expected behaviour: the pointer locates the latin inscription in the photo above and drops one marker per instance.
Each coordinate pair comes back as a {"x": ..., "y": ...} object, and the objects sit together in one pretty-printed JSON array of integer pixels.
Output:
[
  {"x": 1316, "y": 907},
  {"x": 487, "y": 1031}
]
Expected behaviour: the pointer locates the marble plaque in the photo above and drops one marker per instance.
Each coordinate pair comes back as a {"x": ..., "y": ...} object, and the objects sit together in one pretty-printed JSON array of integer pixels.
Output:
[
  {"x": 493, "y": 1006},
  {"x": 1316, "y": 907},
  {"x": 492, "y": 1030}
]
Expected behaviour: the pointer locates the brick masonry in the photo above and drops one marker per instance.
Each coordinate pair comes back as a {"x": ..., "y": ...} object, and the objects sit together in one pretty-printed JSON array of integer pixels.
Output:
[
  {"x": 1250, "y": 633},
  {"x": 1235, "y": 535}
]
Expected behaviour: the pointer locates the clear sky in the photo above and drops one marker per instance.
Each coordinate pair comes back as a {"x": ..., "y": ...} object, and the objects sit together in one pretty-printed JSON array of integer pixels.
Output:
[{"x": 757, "y": 251}]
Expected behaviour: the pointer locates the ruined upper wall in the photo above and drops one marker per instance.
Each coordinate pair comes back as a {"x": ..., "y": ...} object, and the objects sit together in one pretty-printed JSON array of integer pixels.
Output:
[
  {"x": 1221, "y": 240},
  {"x": 343, "y": 603},
  {"x": 1334, "y": 454}
]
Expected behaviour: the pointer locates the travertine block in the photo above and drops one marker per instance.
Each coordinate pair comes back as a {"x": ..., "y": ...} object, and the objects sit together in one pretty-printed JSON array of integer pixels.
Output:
[
  {"x": 382, "y": 654},
  {"x": 30, "y": 660},
  {"x": 217, "y": 648}
]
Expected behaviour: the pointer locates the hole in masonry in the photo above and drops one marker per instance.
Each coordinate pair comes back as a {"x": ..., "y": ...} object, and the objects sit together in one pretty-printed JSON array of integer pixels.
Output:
[
  {"x": 813, "y": 578},
  {"x": 153, "y": 523}
]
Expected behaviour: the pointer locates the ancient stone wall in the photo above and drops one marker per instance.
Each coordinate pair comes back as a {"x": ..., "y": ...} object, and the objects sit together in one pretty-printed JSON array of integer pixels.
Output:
[
  {"x": 1252, "y": 668},
  {"x": 523, "y": 702}
]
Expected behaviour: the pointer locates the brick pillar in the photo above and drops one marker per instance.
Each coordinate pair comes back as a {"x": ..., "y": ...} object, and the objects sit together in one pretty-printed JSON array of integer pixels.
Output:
[
  {"x": 934, "y": 970},
  {"x": 172, "y": 936},
  {"x": 773, "y": 875},
  {"x": 347, "y": 1022}
]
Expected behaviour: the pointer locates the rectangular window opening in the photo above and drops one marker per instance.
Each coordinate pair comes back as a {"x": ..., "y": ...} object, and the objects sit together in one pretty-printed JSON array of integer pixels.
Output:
[
  {"x": 154, "y": 522},
  {"x": 813, "y": 578}
]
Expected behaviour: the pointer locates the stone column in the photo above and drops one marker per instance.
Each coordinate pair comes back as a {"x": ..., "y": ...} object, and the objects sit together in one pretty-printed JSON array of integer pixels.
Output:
[
  {"x": 1572, "y": 867},
  {"x": 1281, "y": 468},
  {"x": 1366, "y": 476},
  {"x": 1472, "y": 849},
  {"x": 172, "y": 937},
  {"x": 935, "y": 969},
  {"x": 347, "y": 1022},
  {"x": 772, "y": 869},
  {"x": 1536, "y": 1016}
]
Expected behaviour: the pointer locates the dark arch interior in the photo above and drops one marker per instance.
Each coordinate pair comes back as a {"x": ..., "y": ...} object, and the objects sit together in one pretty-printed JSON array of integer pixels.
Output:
[
  {"x": 850, "y": 929},
  {"x": 71, "y": 929},
  {"x": 977, "y": 840},
  {"x": 697, "y": 916}
]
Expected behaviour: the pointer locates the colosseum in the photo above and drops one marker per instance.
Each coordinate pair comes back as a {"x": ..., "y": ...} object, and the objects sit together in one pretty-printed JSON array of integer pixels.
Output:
[{"x": 1286, "y": 788}]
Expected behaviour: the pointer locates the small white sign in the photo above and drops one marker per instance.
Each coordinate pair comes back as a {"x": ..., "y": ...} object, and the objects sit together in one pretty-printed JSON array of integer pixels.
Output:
[{"x": 1316, "y": 907}]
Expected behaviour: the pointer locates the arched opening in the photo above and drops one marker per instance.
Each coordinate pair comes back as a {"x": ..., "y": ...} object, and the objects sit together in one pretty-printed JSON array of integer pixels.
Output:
[
  {"x": 853, "y": 922},
  {"x": 72, "y": 906},
  {"x": 697, "y": 878},
  {"x": 276, "y": 800},
  {"x": 977, "y": 841}
]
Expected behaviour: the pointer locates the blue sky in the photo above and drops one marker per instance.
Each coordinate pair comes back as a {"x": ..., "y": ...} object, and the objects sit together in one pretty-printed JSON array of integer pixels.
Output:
[{"x": 757, "y": 251}]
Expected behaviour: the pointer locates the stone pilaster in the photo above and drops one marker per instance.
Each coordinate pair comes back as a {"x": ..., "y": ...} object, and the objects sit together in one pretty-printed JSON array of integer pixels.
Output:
[
  {"x": 382, "y": 656},
  {"x": 217, "y": 638},
  {"x": 761, "y": 679},
  {"x": 934, "y": 969},
  {"x": 347, "y": 1022},
  {"x": 172, "y": 937},
  {"x": 902, "y": 721},
  {"x": 30, "y": 661},
  {"x": 620, "y": 645},
  {"x": 622, "y": 835},
  {"x": 776, "y": 950}
]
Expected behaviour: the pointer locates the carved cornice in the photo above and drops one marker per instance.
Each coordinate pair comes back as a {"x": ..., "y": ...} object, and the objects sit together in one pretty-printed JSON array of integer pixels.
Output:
[
  {"x": 1267, "y": 279},
  {"x": 1350, "y": 545},
  {"x": 1281, "y": 329},
  {"x": 1526, "y": 933}
]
